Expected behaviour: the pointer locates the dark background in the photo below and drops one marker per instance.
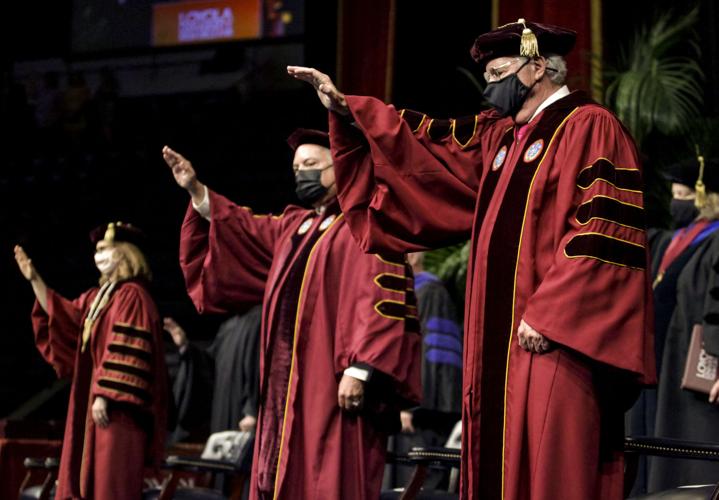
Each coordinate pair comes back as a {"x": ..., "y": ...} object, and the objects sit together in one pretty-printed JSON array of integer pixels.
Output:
[{"x": 58, "y": 183}]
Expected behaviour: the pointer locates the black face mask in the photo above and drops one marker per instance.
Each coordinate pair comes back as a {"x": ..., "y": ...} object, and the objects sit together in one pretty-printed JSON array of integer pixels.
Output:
[
  {"x": 309, "y": 188},
  {"x": 683, "y": 212},
  {"x": 508, "y": 94}
]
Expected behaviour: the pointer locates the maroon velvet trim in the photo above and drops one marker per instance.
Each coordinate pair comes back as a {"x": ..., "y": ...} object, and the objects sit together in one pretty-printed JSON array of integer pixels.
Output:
[
  {"x": 131, "y": 331},
  {"x": 612, "y": 210},
  {"x": 391, "y": 309},
  {"x": 413, "y": 119},
  {"x": 492, "y": 177},
  {"x": 278, "y": 357},
  {"x": 129, "y": 370},
  {"x": 604, "y": 170},
  {"x": 392, "y": 282},
  {"x": 439, "y": 129},
  {"x": 126, "y": 388},
  {"x": 465, "y": 128},
  {"x": 607, "y": 249},
  {"x": 130, "y": 351},
  {"x": 411, "y": 325},
  {"x": 499, "y": 300}
]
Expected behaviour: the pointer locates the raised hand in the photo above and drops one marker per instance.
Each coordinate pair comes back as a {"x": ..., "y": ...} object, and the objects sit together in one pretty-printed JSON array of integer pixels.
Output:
[
  {"x": 25, "y": 264},
  {"x": 179, "y": 337},
  {"x": 331, "y": 98},
  {"x": 182, "y": 170}
]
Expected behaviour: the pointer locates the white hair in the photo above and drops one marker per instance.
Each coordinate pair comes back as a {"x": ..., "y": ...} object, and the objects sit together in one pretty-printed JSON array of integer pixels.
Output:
[{"x": 559, "y": 65}]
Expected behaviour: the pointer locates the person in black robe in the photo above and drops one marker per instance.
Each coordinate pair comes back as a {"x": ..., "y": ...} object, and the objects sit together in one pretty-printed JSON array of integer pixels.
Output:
[
  {"x": 431, "y": 423},
  {"x": 683, "y": 280},
  {"x": 228, "y": 371},
  {"x": 671, "y": 250}
]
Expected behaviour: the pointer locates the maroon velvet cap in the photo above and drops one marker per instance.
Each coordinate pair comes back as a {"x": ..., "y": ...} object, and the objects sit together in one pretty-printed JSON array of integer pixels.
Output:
[
  {"x": 118, "y": 231},
  {"x": 506, "y": 41},
  {"x": 308, "y": 136}
]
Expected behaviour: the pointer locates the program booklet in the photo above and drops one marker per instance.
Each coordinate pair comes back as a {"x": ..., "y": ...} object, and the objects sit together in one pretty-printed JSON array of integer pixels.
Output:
[{"x": 700, "y": 370}]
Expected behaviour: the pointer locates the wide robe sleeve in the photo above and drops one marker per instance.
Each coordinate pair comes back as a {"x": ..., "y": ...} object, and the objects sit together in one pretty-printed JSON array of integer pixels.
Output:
[
  {"x": 405, "y": 181},
  {"x": 125, "y": 371},
  {"x": 377, "y": 323},
  {"x": 595, "y": 297},
  {"x": 226, "y": 261},
  {"x": 57, "y": 330}
]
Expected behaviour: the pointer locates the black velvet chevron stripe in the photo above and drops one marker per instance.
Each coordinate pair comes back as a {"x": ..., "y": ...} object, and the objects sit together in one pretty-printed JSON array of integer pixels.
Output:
[
  {"x": 129, "y": 370},
  {"x": 129, "y": 330},
  {"x": 602, "y": 207},
  {"x": 603, "y": 169},
  {"x": 392, "y": 282},
  {"x": 410, "y": 298},
  {"x": 411, "y": 325},
  {"x": 413, "y": 119},
  {"x": 392, "y": 309},
  {"x": 606, "y": 249},
  {"x": 394, "y": 260},
  {"x": 464, "y": 129},
  {"x": 129, "y": 389},
  {"x": 130, "y": 351},
  {"x": 439, "y": 129}
]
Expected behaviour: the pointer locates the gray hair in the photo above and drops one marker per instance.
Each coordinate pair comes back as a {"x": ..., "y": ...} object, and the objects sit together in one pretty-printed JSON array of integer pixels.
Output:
[{"x": 559, "y": 65}]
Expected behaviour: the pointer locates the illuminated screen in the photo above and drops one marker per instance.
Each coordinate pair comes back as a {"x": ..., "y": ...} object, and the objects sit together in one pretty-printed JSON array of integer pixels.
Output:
[{"x": 100, "y": 25}]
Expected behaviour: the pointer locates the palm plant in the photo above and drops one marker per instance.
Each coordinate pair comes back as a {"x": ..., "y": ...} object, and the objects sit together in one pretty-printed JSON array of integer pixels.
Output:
[
  {"x": 658, "y": 95},
  {"x": 450, "y": 265},
  {"x": 659, "y": 90}
]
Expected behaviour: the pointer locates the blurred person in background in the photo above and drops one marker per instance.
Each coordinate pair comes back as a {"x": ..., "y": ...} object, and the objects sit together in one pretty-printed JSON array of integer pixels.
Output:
[
  {"x": 223, "y": 378},
  {"x": 686, "y": 293},
  {"x": 430, "y": 423}
]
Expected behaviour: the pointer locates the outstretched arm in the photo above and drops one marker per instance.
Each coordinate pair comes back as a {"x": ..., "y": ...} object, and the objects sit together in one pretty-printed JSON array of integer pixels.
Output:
[
  {"x": 226, "y": 250},
  {"x": 405, "y": 181}
]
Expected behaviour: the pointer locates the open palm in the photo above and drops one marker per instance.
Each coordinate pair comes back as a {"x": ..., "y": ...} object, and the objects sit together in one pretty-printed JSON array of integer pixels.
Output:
[
  {"x": 182, "y": 170},
  {"x": 24, "y": 263}
]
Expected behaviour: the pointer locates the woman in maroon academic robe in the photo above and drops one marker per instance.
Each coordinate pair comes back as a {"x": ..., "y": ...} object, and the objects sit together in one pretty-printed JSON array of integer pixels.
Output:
[
  {"x": 339, "y": 352},
  {"x": 109, "y": 341}
]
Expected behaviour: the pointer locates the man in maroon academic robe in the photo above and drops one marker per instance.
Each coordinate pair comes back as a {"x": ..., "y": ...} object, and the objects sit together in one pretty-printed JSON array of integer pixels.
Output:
[
  {"x": 340, "y": 349},
  {"x": 548, "y": 187},
  {"x": 109, "y": 340}
]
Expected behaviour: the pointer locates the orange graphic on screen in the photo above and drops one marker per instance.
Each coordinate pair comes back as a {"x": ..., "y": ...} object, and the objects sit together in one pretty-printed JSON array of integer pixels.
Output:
[{"x": 201, "y": 21}]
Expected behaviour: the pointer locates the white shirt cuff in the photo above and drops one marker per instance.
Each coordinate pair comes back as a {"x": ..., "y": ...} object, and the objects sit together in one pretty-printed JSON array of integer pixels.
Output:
[
  {"x": 358, "y": 373},
  {"x": 204, "y": 207}
]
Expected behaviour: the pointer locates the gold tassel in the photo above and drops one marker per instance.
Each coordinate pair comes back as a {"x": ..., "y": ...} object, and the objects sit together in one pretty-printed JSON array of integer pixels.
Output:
[
  {"x": 529, "y": 46},
  {"x": 110, "y": 233},
  {"x": 700, "y": 201}
]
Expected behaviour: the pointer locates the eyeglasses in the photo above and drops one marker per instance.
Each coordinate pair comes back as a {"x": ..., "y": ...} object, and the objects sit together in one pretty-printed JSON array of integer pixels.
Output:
[{"x": 498, "y": 72}]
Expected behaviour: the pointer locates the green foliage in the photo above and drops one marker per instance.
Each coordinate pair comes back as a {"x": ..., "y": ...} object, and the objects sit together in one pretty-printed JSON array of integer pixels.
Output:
[
  {"x": 656, "y": 91},
  {"x": 659, "y": 90},
  {"x": 450, "y": 265}
]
